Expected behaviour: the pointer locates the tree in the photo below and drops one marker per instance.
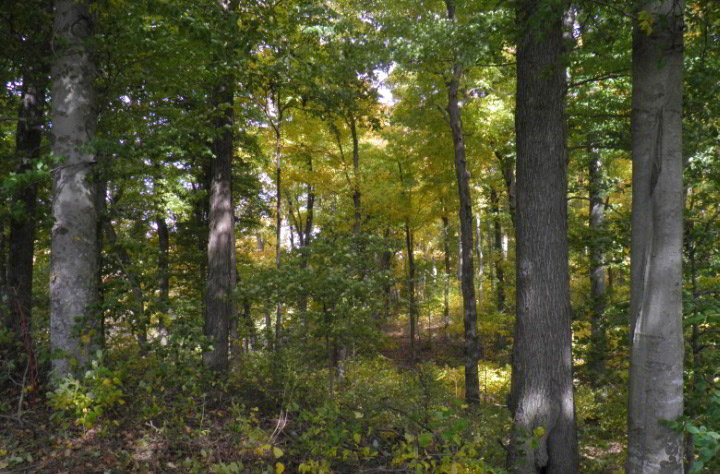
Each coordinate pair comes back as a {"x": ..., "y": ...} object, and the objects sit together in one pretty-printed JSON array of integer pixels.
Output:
[
  {"x": 221, "y": 271},
  {"x": 73, "y": 289},
  {"x": 656, "y": 358},
  {"x": 472, "y": 355},
  {"x": 541, "y": 397}
]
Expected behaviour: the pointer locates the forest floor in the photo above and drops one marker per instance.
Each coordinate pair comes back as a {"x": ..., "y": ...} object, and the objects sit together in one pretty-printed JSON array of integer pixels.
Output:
[{"x": 389, "y": 415}]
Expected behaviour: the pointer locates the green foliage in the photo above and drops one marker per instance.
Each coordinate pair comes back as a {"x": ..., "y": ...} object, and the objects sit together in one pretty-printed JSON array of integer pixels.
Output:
[{"x": 85, "y": 400}]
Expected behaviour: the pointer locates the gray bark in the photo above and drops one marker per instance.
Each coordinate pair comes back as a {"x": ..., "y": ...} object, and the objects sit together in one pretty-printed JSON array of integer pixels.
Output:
[
  {"x": 656, "y": 359},
  {"x": 541, "y": 398},
  {"x": 471, "y": 349},
  {"x": 73, "y": 289},
  {"x": 598, "y": 270}
]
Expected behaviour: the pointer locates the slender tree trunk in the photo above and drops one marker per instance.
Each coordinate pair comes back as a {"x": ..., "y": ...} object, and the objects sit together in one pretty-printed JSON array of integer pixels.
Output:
[
  {"x": 221, "y": 276},
  {"x": 542, "y": 391},
  {"x": 137, "y": 308},
  {"x": 412, "y": 307},
  {"x": 656, "y": 359},
  {"x": 498, "y": 251},
  {"x": 356, "y": 177},
  {"x": 471, "y": 350},
  {"x": 480, "y": 256},
  {"x": 73, "y": 289},
  {"x": 696, "y": 383},
  {"x": 307, "y": 237},
  {"x": 448, "y": 274},
  {"x": 507, "y": 165},
  {"x": 5, "y": 314},
  {"x": 278, "y": 219},
  {"x": 163, "y": 276},
  {"x": 101, "y": 186},
  {"x": 598, "y": 270},
  {"x": 28, "y": 138}
]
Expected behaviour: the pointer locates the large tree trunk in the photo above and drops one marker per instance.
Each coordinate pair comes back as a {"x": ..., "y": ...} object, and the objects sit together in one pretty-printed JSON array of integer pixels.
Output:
[
  {"x": 221, "y": 277},
  {"x": 542, "y": 392},
  {"x": 73, "y": 289},
  {"x": 28, "y": 138},
  {"x": 471, "y": 350},
  {"x": 598, "y": 270},
  {"x": 656, "y": 359}
]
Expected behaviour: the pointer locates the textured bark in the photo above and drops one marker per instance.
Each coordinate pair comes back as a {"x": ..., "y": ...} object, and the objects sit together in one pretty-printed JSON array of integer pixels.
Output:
[
  {"x": 471, "y": 349},
  {"x": 498, "y": 251},
  {"x": 28, "y": 138},
  {"x": 598, "y": 270},
  {"x": 542, "y": 392},
  {"x": 656, "y": 359},
  {"x": 73, "y": 289},
  {"x": 221, "y": 258},
  {"x": 221, "y": 275}
]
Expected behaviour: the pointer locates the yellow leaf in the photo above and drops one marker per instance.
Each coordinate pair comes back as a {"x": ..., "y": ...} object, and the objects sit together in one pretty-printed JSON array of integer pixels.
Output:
[
  {"x": 358, "y": 414},
  {"x": 357, "y": 438},
  {"x": 279, "y": 468},
  {"x": 277, "y": 452}
]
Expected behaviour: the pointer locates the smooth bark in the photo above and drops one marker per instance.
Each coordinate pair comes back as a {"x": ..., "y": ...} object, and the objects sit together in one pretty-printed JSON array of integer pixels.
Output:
[
  {"x": 544, "y": 436},
  {"x": 598, "y": 269},
  {"x": 73, "y": 289},
  {"x": 656, "y": 359}
]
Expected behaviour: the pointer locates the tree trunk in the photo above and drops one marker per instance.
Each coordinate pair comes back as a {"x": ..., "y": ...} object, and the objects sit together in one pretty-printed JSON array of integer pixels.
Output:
[
  {"x": 544, "y": 438},
  {"x": 221, "y": 277},
  {"x": 656, "y": 359},
  {"x": 412, "y": 308},
  {"x": 498, "y": 251},
  {"x": 598, "y": 270},
  {"x": 101, "y": 186},
  {"x": 28, "y": 138},
  {"x": 163, "y": 276},
  {"x": 448, "y": 273},
  {"x": 471, "y": 350},
  {"x": 73, "y": 290},
  {"x": 356, "y": 178},
  {"x": 139, "y": 322}
]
